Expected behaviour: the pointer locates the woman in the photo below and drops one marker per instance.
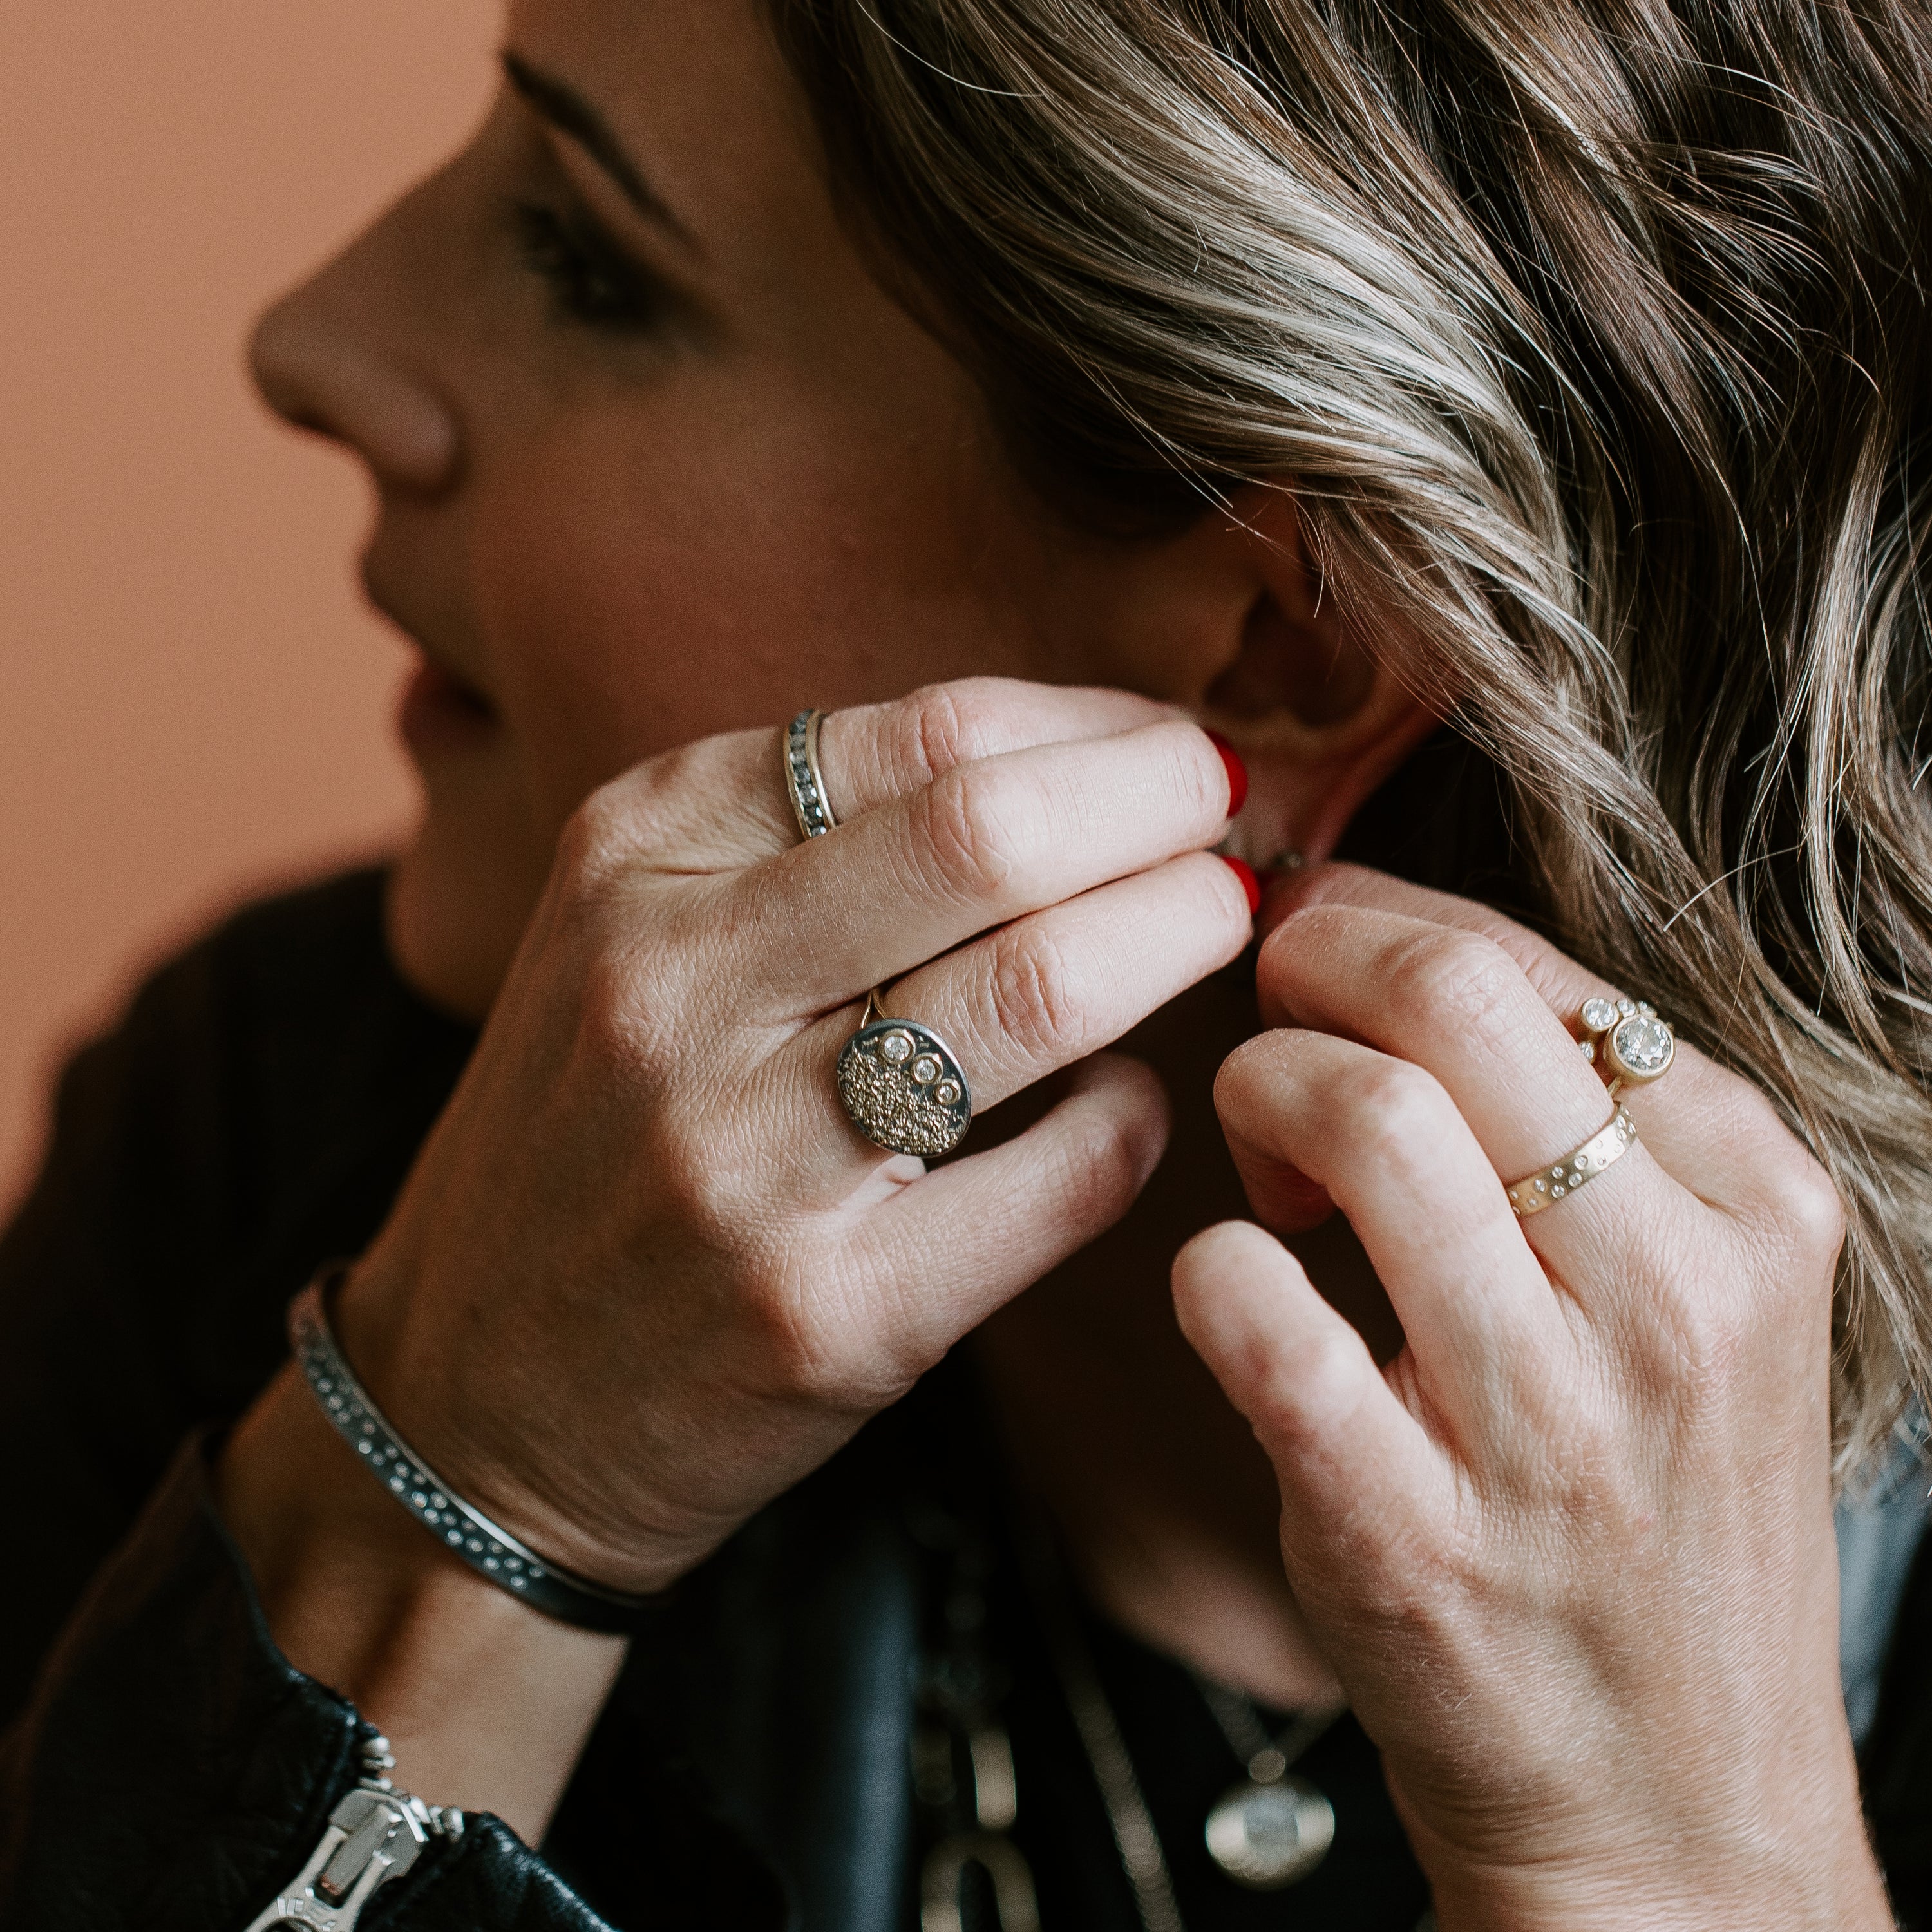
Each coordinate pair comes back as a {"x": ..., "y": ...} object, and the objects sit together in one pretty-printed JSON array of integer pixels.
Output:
[{"x": 1093, "y": 372}]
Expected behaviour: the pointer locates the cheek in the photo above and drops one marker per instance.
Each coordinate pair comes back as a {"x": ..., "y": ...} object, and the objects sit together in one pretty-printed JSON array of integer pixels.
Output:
[{"x": 630, "y": 605}]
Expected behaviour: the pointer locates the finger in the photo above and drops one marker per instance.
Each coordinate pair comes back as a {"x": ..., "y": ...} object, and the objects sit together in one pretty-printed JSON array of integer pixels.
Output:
[
  {"x": 985, "y": 843},
  {"x": 1350, "y": 1460},
  {"x": 1453, "y": 1002},
  {"x": 873, "y": 754},
  {"x": 1336, "y": 883},
  {"x": 1385, "y": 1140},
  {"x": 722, "y": 803},
  {"x": 1706, "y": 1127},
  {"x": 1059, "y": 985},
  {"x": 1042, "y": 994},
  {"x": 965, "y": 1239}
]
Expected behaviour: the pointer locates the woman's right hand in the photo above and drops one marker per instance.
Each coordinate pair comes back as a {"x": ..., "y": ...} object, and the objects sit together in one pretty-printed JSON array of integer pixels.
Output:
[{"x": 646, "y": 1275}]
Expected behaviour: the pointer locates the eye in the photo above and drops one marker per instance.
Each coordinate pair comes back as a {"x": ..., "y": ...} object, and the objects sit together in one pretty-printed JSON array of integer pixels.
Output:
[{"x": 590, "y": 279}]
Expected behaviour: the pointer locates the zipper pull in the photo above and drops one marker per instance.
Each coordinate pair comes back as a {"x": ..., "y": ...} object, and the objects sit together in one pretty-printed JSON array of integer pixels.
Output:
[{"x": 376, "y": 1834}]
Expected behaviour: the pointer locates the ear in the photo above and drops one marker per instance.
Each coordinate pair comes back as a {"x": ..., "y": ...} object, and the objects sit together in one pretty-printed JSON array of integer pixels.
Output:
[{"x": 1274, "y": 662}]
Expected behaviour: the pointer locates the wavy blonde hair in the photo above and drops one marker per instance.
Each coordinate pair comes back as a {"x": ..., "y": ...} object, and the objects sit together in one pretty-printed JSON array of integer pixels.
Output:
[{"x": 1591, "y": 336}]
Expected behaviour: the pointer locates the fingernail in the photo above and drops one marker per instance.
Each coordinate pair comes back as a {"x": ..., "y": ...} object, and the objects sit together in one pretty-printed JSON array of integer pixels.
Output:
[
  {"x": 1237, "y": 772},
  {"x": 1245, "y": 873}
]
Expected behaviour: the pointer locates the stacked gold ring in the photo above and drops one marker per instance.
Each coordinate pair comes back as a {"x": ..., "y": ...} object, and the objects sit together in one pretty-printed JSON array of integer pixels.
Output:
[{"x": 1625, "y": 1039}]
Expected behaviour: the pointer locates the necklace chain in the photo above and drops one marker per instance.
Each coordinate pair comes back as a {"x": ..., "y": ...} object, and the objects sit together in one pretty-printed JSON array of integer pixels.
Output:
[
  {"x": 1136, "y": 1837},
  {"x": 1267, "y": 1758}
]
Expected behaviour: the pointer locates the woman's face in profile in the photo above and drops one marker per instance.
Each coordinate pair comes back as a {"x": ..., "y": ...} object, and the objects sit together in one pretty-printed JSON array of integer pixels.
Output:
[{"x": 656, "y": 456}]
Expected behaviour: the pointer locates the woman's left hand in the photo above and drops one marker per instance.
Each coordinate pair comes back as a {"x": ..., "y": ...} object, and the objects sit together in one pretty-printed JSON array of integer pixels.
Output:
[{"x": 1571, "y": 1551}]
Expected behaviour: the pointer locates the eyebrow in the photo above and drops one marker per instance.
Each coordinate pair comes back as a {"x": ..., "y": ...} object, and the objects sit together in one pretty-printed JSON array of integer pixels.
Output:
[{"x": 569, "y": 113}]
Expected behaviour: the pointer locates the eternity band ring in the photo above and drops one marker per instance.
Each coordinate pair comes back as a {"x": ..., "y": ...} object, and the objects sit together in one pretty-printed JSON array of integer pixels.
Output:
[
  {"x": 902, "y": 1087},
  {"x": 1560, "y": 1179},
  {"x": 805, "y": 783}
]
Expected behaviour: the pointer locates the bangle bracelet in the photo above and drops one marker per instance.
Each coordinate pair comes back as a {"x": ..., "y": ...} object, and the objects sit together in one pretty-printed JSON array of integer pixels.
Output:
[{"x": 489, "y": 1549}]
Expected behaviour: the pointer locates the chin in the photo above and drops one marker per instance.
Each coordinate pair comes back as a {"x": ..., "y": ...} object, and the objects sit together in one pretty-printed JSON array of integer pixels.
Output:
[{"x": 458, "y": 900}]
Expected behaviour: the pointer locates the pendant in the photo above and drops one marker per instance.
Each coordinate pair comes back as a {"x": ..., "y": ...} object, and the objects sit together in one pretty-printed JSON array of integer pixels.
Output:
[{"x": 1267, "y": 1836}]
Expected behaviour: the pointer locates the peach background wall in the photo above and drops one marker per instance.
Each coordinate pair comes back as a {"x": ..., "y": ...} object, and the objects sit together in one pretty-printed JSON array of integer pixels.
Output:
[{"x": 193, "y": 702}]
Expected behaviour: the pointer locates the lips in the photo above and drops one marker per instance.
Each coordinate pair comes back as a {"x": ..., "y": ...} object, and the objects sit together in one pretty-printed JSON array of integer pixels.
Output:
[
  {"x": 440, "y": 710},
  {"x": 438, "y": 714}
]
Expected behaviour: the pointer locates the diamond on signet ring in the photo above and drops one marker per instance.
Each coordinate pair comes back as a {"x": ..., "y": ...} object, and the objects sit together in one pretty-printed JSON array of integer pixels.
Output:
[
  {"x": 902, "y": 1086},
  {"x": 1636, "y": 1046}
]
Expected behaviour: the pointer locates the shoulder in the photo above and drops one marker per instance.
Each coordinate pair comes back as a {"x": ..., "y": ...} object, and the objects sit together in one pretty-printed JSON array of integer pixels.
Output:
[
  {"x": 239, "y": 1064},
  {"x": 281, "y": 1027},
  {"x": 252, "y": 1114},
  {"x": 253, "y": 1110},
  {"x": 1895, "y": 1763}
]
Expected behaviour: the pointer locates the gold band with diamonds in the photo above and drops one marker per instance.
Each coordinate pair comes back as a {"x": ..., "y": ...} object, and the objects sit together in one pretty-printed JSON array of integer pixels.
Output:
[
  {"x": 1549, "y": 1185},
  {"x": 804, "y": 781}
]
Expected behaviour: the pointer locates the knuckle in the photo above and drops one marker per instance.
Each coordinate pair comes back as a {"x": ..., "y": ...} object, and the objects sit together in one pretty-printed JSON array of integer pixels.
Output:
[
  {"x": 1700, "y": 1347},
  {"x": 1388, "y": 1105},
  {"x": 1811, "y": 1213},
  {"x": 961, "y": 831},
  {"x": 1458, "y": 980},
  {"x": 610, "y": 1005},
  {"x": 1034, "y": 999},
  {"x": 1709, "y": 1325},
  {"x": 594, "y": 843},
  {"x": 1596, "y": 1482},
  {"x": 622, "y": 1020},
  {"x": 1099, "y": 1174},
  {"x": 1302, "y": 1400},
  {"x": 796, "y": 1330},
  {"x": 948, "y": 725},
  {"x": 683, "y": 1189},
  {"x": 830, "y": 1352},
  {"x": 794, "y": 1345},
  {"x": 1788, "y": 1202}
]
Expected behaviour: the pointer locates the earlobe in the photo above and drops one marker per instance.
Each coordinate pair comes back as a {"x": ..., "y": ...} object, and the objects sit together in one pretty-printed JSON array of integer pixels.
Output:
[{"x": 1319, "y": 718}]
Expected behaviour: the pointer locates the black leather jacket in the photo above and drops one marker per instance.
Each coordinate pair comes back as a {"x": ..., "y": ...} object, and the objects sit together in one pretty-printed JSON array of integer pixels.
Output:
[{"x": 164, "y": 1766}]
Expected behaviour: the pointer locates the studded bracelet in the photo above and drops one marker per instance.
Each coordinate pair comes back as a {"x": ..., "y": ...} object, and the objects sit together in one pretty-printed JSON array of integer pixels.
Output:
[{"x": 489, "y": 1549}]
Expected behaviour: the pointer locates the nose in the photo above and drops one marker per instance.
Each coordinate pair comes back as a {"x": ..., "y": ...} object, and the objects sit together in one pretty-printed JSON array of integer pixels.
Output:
[{"x": 320, "y": 367}]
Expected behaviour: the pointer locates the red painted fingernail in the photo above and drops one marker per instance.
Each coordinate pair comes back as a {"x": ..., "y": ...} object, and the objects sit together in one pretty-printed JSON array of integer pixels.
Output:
[
  {"x": 1250, "y": 884},
  {"x": 1237, "y": 772}
]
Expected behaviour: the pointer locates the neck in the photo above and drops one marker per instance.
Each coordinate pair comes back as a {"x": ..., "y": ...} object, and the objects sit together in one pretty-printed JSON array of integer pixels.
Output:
[{"x": 1168, "y": 1506}]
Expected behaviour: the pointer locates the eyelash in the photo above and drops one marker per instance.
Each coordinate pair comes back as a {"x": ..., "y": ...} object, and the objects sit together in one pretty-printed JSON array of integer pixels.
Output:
[{"x": 590, "y": 279}]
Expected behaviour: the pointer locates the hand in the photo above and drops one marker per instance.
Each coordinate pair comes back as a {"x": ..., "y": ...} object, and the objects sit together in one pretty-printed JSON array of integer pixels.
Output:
[
  {"x": 646, "y": 1274},
  {"x": 1571, "y": 1551}
]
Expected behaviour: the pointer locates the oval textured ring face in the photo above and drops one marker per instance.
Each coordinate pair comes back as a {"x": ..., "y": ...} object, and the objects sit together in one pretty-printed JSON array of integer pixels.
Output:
[{"x": 903, "y": 1089}]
